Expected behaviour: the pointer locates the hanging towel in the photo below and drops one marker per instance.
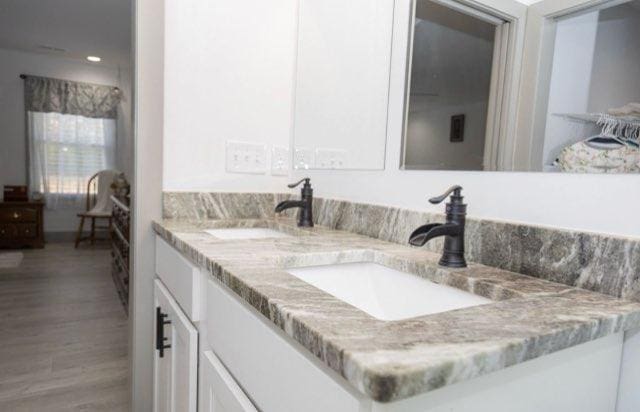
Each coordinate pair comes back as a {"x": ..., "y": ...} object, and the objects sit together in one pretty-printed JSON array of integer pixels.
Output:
[
  {"x": 612, "y": 157},
  {"x": 103, "y": 198}
]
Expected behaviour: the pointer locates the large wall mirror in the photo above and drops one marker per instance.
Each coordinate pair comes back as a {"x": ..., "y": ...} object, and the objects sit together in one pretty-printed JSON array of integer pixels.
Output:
[
  {"x": 455, "y": 53},
  {"x": 342, "y": 84},
  {"x": 587, "y": 111},
  {"x": 484, "y": 90}
]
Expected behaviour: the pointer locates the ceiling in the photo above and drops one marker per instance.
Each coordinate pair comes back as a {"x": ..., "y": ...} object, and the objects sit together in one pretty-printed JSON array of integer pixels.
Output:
[{"x": 69, "y": 28}]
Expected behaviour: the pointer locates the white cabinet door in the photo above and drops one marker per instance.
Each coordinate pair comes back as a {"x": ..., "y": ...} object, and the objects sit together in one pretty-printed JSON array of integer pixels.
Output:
[
  {"x": 175, "y": 356},
  {"x": 221, "y": 392}
]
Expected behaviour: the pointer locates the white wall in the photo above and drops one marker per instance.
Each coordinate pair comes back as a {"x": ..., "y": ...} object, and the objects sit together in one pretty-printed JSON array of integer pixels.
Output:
[
  {"x": 12, "y": 118},
  {"x": 229, "y": 68},
  {"x": 147, "y": 193}
]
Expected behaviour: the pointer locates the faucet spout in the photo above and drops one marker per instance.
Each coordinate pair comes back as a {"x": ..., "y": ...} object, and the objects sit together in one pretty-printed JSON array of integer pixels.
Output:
[
  {"x": 305, "y": 204},
  {"x": 425, "y": 233},
  {"x": 452, "y": 230},
  {"x": 289, "y": 204}
]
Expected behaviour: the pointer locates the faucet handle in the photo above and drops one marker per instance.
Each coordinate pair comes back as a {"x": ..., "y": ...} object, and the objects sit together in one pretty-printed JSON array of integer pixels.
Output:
[
  {"x": 453, "y": 189},
  {"x": 306, "y": 181}
]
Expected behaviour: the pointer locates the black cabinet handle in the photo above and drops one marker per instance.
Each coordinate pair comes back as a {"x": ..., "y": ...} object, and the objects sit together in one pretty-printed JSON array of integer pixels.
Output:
[{"x": 161, "y": 320}]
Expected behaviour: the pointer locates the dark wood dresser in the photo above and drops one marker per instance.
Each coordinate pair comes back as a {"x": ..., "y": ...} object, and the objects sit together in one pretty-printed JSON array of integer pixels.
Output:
[
  {"x": 21, "y": 224},
  {"x": 120, "y": 228}
]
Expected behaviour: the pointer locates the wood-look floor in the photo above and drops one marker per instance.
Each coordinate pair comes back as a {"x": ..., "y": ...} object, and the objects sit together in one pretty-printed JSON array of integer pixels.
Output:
[{"x": 63, "y": 333}]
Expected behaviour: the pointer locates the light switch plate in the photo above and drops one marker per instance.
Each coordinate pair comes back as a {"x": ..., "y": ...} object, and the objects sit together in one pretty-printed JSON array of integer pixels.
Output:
[
  {"x": 246, "y": 157},
  {"x": 331, "y": 159},
  {"x": 280, "y": 161},
  {"x": 304, "y": 158}
]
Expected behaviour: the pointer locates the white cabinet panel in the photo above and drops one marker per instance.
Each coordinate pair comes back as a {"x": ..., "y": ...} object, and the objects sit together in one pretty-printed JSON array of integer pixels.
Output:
[
  {"x": 176, "y": 364},
  {"x": 180, "y": 277},
  {"x": 221, "y": 392}
]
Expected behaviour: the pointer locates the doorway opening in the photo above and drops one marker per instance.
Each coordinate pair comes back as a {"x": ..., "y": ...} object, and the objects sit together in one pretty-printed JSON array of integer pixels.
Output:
[
  {"x": 66, "y": 124},
  {"x": 457, "y": 83}
]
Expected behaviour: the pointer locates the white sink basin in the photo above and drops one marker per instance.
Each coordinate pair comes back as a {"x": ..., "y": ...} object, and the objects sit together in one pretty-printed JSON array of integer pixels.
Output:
[
  {"x": 246, "y": 233},
  {"x": 384, "y": 293}
]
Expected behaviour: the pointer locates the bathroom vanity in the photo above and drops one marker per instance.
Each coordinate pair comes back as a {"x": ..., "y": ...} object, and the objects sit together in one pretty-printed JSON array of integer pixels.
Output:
[{"x": 259, "y": 314}]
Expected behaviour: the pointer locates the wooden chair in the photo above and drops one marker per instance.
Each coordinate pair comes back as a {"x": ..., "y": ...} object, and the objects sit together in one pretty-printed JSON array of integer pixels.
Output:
[{"x": 93, "y": 194}]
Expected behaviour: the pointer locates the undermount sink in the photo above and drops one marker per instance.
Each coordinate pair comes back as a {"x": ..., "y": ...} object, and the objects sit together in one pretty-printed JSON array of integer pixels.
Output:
[
  {"x": 385, "y": 293},
  {"x": 246, "y": 233}
]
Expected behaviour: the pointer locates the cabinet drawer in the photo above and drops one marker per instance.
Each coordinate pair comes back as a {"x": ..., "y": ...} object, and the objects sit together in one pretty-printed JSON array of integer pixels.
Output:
[
  {"x": 18, "y": 214},
  {"x": 221, "y": 392},
  {"x": 27, "y": 230},
  {"x": 8, "y": 231},
  {"x": 180, "y": 276},
  {"x": 276, "y": 372},
  {"x": 18, "y": 230}
]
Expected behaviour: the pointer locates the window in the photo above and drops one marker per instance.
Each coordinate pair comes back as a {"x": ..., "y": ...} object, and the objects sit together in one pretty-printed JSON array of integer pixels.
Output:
[{"x": 65, "y": 151}]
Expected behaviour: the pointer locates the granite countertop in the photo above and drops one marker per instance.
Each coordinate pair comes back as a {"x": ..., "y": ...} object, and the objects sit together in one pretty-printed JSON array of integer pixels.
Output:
[{"x": 391, "y": 360}]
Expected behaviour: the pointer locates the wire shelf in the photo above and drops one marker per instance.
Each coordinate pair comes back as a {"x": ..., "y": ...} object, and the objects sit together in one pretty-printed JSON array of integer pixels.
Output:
[{"x": 623, "y": 126}]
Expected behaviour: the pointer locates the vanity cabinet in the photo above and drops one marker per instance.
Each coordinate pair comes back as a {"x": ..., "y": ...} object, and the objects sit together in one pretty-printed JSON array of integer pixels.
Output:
[
  {"x": 186, "y": 371},
  {"x": 234, "y": 359},
  {"x": 175, "y": 356}
]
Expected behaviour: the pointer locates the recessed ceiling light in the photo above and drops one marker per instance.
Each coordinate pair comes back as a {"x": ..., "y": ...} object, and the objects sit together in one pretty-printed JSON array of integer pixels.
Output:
[{"x": 94, "y": 59}]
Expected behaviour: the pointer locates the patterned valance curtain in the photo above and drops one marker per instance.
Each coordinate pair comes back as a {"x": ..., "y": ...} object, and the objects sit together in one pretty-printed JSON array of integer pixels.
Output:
[{"x": 46, "y": 95}]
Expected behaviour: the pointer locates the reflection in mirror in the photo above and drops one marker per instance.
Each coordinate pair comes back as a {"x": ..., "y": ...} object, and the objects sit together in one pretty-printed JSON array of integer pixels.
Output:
[
  {"x": 592, "y": 121},
  {"x": 342, "y": 84},
  {"x": 587, "y": 116},
  {"x": 450, "y": 88}
]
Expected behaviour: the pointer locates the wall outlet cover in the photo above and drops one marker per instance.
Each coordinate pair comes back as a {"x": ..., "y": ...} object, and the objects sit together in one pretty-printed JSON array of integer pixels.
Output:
[
  {"x": 304, "y": 158},
  {"x": 246, "y": 157},
  {"x": 331, "y": 159},
  {"x": 280, "y": 161}
]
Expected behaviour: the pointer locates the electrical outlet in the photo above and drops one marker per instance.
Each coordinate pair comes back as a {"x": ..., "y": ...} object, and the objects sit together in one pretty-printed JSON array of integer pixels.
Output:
[
  {"x": 331, "y": 159},
  {"x": 280, "y": 161},
  {"x": 246, "y": 157},
  {"x": 304, "y": 159}
]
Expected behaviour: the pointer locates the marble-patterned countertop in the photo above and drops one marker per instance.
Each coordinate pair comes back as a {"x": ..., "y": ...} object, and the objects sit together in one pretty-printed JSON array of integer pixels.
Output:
[{"x": 391, "y": 360}]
